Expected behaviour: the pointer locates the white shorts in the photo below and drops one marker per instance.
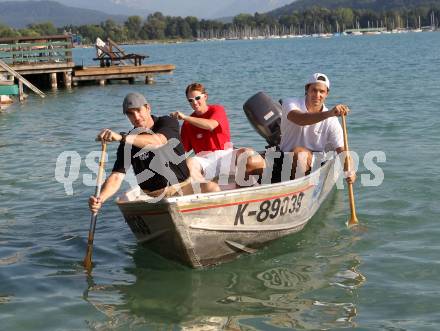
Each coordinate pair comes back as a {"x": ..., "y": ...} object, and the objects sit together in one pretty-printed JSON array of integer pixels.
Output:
[
  {"x": 218, "y": 162},
  {"x": 318, "y": 158}
]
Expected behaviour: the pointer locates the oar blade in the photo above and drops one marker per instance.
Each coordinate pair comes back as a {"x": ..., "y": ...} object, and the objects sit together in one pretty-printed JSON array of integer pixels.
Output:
[
  {"x": 88, "y": 257},
  {"x": 352, "y": 221},
  {"x": 88, "y": 261}
]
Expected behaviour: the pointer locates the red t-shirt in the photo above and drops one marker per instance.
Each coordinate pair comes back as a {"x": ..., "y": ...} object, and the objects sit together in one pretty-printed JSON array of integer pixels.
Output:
[{"x": 204, "y": 140}]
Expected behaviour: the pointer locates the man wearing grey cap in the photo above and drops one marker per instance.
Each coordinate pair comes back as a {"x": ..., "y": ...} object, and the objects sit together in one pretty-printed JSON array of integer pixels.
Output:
[
  {"x": 309, "y": 128},
  {"x": 152, "y": 148}
]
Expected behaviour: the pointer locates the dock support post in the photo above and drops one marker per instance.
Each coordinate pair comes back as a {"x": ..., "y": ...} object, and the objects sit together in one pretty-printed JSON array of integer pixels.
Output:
[
  {"x": 53, "y": 80},
  {"x": 102, "y": 82},
  {"x": 149, "y": 79},
  {"x": 67, "y": 79},
  {"x": 20, "y": 91},
  {"x": 131, "y": 81}
]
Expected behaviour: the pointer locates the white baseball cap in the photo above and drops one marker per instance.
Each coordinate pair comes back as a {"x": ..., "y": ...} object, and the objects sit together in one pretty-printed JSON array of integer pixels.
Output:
[{"x": 318, "y": 78}]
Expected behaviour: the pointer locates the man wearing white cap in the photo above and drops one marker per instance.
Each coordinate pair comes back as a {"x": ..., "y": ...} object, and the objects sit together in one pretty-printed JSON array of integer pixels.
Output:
[{"x": 308, "y": 127}]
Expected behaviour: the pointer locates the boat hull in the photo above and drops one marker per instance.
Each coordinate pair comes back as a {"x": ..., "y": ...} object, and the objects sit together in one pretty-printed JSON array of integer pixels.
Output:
[{"x": 205, "y": 229}]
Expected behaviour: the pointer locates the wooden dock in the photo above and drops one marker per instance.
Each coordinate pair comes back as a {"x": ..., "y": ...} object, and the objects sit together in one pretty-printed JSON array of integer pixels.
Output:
[
  {"x": 123, "y": 72},
  {"x": 51, "y": 56}
]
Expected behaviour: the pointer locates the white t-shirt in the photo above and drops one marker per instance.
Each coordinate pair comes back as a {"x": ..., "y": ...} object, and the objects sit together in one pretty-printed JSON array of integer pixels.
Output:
[{"x": 323, "y": 136}]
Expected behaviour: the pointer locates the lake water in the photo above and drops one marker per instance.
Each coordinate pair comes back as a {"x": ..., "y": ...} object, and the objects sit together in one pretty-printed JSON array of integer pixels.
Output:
[{"x": 326, "y": 277}]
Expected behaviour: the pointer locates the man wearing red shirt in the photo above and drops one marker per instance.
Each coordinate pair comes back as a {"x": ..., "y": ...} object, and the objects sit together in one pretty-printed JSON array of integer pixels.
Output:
[{"x": 206, "y": 131}]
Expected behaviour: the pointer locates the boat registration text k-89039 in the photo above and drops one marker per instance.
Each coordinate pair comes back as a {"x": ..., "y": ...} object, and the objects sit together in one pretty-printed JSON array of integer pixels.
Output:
[{"x": 270, "y": 209}]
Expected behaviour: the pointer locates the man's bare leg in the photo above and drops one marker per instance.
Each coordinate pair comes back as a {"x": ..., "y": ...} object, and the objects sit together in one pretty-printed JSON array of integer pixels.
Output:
[
  {"x": 302, "y": 162},
  {"x": 198, "y": 181}
]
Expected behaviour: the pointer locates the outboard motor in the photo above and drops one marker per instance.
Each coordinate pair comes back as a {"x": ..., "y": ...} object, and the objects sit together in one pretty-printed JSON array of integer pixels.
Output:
[{"x": 265, "y": 116}]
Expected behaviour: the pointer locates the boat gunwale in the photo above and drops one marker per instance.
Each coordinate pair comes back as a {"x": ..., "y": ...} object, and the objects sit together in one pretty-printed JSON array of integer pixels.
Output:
[{"x": 205, "y": 197}]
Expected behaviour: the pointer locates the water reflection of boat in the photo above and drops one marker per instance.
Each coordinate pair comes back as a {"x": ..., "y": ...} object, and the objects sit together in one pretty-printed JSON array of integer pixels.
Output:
[{"x": 252, "y": 295}]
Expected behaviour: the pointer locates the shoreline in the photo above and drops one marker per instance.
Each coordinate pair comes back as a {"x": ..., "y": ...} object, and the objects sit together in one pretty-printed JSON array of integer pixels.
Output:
[{"x": 316, "y": 35}]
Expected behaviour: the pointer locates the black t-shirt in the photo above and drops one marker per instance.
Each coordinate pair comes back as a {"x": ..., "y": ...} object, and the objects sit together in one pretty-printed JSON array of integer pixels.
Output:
[{"x": 156, "y": 168}]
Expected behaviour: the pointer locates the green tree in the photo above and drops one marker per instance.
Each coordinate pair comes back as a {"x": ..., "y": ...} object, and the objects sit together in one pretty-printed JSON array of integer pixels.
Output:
[
  {"x": 289, "y": 20},
  {"x": 194, "y": 25},
  {"x": 154, "y": 27},
  {"x": 7, "y": 32},
  {"x": 91, "y": 32},
  {"x": 114, "y": 30},
  {"x": 344, "y": 17},
  {"x": 244, "y": 20},
  {"x": 263, "y": 20},
  {"x": 45, "y": 28},
  {"x": 171, "y": 27},
  {"x": 134, "y": 26},
  {"x": 28, "y": 33},
  {"x": 184, "y": 29}
]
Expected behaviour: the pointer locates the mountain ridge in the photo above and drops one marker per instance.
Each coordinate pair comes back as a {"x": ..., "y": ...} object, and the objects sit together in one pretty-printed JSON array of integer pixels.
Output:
[
  {"x": 376, "y": 5},
  {"x": 209, "y": 9},
  {"x": 19, "y": 14}
]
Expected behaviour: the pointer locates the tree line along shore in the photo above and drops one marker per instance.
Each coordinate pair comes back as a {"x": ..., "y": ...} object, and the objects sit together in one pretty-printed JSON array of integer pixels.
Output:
[{"x": 316, "y": 20}]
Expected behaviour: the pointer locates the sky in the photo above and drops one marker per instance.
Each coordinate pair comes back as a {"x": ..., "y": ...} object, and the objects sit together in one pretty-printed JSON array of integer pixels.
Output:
[{"x": 198, "y": 8}]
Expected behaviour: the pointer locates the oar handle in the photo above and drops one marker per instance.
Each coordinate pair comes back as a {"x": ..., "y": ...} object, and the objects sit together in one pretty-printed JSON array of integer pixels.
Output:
[
  {"x": 344, "y": 128},
  {"x": 101, "y": 169}
]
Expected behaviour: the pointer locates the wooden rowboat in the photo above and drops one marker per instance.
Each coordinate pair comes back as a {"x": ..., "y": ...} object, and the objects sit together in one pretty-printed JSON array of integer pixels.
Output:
[{"x": 206, "y": 229}]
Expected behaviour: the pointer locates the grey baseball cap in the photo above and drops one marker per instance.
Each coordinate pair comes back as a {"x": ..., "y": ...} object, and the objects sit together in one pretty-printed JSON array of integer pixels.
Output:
[{"x": 133, "y": 100}]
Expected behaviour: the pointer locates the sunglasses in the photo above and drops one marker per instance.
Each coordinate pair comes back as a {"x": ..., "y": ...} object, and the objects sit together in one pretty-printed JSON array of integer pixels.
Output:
[{"x": 197, "y": 98}]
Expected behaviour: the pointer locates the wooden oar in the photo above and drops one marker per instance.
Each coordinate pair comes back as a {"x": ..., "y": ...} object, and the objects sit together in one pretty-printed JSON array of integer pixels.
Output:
[
  {"x": 353, "y": 219},
  {"x": 88, "y": 257}
]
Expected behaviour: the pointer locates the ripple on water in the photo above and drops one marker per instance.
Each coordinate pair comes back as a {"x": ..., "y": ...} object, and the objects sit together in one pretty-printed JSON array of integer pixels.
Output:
[{"x": 326, "y": 277}]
